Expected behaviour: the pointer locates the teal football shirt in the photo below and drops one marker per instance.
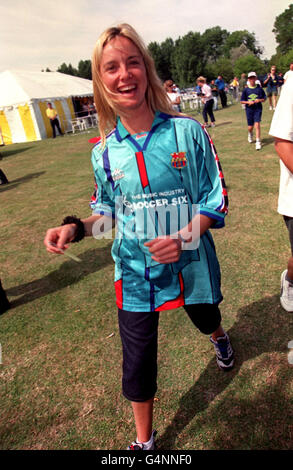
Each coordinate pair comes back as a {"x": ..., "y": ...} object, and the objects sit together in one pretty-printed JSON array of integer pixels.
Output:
[{"x": 169, "y": 170}]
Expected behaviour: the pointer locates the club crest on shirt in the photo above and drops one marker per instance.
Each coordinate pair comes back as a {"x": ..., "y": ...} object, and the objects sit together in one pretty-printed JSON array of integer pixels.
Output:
[
  {"x": 179, "y": 160},
  {"x": 117, "y": 174}
]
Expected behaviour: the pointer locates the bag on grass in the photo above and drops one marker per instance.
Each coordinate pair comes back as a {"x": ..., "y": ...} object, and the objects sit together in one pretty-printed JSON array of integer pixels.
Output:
[
  {"x": 4, "y": 302},
  {"x": 3, "y": 178}
]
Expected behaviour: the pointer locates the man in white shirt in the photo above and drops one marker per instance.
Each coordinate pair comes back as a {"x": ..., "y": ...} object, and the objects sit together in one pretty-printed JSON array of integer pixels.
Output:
[
  {"x": 282, "y": 129},
  {"x": 289, "y": 72}
]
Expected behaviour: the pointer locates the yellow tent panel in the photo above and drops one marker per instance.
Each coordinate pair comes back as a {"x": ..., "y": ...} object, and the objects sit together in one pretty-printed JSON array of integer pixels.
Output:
[
  {"x": 5, "y": 129},
  {"x": 71, "y": 109},
  {"x": 43, "y": 107},
  {"x": 27, "y": 122},
  {"x": 61, "y": 114}
]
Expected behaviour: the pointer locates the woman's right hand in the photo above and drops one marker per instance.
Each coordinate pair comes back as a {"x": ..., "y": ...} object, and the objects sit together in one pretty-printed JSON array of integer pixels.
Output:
[{"x": 57, "y": 238}]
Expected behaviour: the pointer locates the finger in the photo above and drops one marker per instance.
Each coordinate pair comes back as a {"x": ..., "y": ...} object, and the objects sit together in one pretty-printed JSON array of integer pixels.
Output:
[
  {"x": 160, "y": 243},
  {"x": 166, "y": 259},
  {"x": 66, "y": 234},
  {"x": 151, "y": 242}
]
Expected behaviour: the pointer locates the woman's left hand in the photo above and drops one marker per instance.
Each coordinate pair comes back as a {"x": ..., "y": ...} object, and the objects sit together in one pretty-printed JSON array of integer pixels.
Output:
[{"x": 165, "y": 249}]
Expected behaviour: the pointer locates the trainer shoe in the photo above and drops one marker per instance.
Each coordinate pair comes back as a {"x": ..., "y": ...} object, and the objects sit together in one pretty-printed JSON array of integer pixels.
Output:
[
  {"x": 258, "y": 145},
  {"x": 224, "y": 352},
  {"x": 140, "y": 446},
  {"x": 250, "y": 138},
  {"x": 286, "y": 297}
]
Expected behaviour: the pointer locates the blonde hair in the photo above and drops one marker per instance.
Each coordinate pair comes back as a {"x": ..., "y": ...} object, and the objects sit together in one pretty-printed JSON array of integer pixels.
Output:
[
  {"x": 106, "y": 107},
  {"x": 201, "y": 79}
]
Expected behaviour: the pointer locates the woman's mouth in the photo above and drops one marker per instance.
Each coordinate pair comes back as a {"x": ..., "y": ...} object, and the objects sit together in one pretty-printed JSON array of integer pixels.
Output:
[{"x": 127, "y": 89}]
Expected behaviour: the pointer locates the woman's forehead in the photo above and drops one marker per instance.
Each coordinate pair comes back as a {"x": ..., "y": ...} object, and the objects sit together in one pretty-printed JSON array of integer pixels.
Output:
[{"x": 120, "y": 45}]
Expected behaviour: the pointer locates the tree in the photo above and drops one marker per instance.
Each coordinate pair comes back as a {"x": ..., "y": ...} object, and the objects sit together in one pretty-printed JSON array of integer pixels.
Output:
[
  {"x": 67, "y": 69},
  {"x": 237, "y": 38},
  {"x": 162, "y": 55},
  {"x": 188, "y": 59},
  {"x": 238, "y": 52},
  {"x": 213, "y": 41},
  {"x": 283, "y": 29},
  {"x": 84, "y": 69},
  {"x": 249, "y": 63},
  {"x": 222, "y": 67}
]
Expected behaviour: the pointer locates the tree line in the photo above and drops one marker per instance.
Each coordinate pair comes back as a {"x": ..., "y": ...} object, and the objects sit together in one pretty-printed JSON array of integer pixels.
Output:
[{"x": 214, "y": 52}]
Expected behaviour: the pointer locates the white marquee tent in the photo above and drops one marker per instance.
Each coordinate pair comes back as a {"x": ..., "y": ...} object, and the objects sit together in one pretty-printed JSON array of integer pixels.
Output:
[{"x": 23, "y": 103}]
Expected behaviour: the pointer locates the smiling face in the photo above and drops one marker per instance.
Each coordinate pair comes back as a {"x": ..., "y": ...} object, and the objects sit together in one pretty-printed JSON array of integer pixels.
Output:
[{"x": 123, "y": 73}]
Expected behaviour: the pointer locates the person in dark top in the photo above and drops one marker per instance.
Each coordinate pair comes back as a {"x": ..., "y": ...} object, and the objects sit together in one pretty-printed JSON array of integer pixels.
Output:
[{"x": 253, "y": 96}]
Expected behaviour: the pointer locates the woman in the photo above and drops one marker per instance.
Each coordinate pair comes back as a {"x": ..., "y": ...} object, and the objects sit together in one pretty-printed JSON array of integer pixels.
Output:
[
  {"x": 153, "y": 158},
  {"x": 208, "y": 101},
  {"x": 272, "y": 83},
  {"x": 173, "y": 96}
]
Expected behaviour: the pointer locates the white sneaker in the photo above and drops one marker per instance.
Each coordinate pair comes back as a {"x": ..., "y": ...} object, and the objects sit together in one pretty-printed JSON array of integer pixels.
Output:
[
  {"x": 258, "y": 145},
  {"x": 286, "y": 297},
  {"x": 271, "y": 109},
  {"x": 250, "y": 137}
]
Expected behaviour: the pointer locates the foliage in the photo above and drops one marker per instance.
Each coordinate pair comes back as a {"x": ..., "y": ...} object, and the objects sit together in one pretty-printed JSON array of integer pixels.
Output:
[
  {"x": 188, "y": 59},
  {"x": 247, "y": 64},
  {"x": 213, "y": 42},
  {"x": 237, "y": 38},
  {"x": 283, "y": 29},
  {"x": 223, "y": 67},
  {"x": 67, "y": 69},
  {"x": 211, "y": 53},
  {"x": 84, "y": 69},
  {"x": 162, "y": 55},
  {"x": 282, "y": 61}
]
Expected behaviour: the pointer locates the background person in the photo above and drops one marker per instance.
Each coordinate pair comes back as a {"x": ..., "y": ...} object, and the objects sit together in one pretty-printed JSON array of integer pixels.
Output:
[
  {"x": 282, "y": 129},
  {"x": 220, "y": 84},
  {"x": 54, "y": 121},
  {"x": 215, "y": 94},
  {"x": 271, "y": 82},
  {"x": 155, "y": 150},
  {"x": 289, "y": 72},
  {"x": 173, "y": 94},
  {"x": 207, "y": 100},
  {"x": 235, "y": 87},
  {"x": 252, "y": 97}
]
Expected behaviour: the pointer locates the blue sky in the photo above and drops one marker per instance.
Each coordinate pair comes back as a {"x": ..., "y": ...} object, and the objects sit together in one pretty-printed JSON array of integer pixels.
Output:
[{"x": 36, "y": 34}]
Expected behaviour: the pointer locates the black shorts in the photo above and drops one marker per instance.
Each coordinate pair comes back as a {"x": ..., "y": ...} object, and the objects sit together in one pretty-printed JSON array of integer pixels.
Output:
[
  {"x": 289, "y": 223},
  {"x": 139, "y": 336}
]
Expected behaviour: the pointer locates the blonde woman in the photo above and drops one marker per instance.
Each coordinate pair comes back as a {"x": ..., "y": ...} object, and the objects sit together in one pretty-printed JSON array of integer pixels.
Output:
[
  {"x": 208, "y": 101},
  {"x": 153, "y": 158}
]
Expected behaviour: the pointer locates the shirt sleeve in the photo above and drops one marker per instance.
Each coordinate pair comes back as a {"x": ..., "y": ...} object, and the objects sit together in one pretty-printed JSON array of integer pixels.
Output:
[
  {"x": 212, "y": 193},
  {"x": 102, "y": 201}
]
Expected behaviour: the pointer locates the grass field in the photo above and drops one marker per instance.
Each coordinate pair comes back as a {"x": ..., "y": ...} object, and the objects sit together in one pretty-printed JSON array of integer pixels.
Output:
[{"x": 61, "y": 365}]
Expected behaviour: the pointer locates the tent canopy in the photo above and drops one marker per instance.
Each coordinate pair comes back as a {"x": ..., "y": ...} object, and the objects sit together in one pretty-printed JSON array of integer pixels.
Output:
[
  {"x": 23, "y": 97},
  {"x": 17, "y": 87}
]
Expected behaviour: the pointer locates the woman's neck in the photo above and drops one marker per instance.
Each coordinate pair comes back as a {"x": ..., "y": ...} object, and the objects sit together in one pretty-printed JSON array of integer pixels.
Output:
[{"x": 138, "y": 120}]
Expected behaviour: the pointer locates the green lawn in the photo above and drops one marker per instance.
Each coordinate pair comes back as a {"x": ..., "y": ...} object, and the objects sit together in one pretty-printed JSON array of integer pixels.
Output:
[{"x": 61, "y": 373}]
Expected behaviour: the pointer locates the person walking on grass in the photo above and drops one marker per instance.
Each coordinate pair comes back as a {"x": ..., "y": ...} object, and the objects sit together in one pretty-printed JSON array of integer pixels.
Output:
[
  {"x": 207, "y": 100},
  {"x": 252, "y": 97},
  {"x": 154, "y": 158},
  {"x": 272, "y": 83},
  {"x": 282, "y": 130}
]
